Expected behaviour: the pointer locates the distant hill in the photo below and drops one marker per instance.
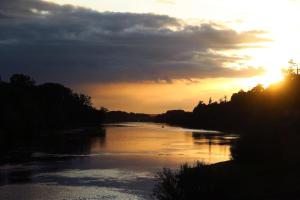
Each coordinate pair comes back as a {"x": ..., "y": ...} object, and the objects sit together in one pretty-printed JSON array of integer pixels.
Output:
[{"x": 121, "y": 116}]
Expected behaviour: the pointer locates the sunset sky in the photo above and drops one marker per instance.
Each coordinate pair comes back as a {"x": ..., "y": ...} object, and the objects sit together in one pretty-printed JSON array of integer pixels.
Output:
[{"x": 150, "y": 55}]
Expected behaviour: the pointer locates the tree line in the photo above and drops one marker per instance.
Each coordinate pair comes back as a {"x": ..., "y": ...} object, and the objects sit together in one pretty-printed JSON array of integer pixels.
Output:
[
  {"x": 267, "y": 120},
  {"x": 265, "y": 159},
  {"x": 29, "y": 109},
  {"x": 271, "y": 108}
]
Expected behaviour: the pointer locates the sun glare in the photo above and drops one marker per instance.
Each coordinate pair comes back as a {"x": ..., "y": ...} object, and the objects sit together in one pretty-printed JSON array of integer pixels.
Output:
[
  {"x": 271, "y": 77},
  {"x": 266, "y": 79}
]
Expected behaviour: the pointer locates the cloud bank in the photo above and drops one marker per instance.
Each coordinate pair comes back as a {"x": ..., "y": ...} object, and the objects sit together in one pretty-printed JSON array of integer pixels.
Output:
[{"x": 78, "y": 45}]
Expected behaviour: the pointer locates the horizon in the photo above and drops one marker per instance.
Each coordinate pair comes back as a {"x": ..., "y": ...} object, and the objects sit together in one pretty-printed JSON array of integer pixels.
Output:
[
  {"x": 149, "y": 99},
  {"x": 149, "y": 56},
  {"x": 293, "y": 71}
]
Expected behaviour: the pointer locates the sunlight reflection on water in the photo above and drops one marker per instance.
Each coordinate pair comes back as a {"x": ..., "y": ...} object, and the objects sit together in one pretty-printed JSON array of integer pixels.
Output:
[
  {"x": 118, "y": 165},
  {"x": 50, "y": 192}
]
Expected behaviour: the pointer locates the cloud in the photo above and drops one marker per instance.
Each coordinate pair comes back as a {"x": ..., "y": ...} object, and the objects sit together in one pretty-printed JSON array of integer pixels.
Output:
[{"x": 78, "y": 45}]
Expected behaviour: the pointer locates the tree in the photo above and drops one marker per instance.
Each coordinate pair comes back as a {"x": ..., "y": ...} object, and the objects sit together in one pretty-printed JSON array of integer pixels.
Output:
[
  {"x": 258, "y": 89},
  {"x": 104, "y": 110},
  {"x": 85, "y": 100},
  {"x": 22, "y": 80}
]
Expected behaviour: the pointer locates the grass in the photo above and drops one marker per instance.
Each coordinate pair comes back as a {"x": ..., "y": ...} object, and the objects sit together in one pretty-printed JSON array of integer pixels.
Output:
[{"x": 228, "y": 180}]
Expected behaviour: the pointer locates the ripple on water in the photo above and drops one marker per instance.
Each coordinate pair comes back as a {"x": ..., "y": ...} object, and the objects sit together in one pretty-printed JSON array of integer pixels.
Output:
[
  {"x": 117, "y": 175},
  {"x": 50, "y": 192}
]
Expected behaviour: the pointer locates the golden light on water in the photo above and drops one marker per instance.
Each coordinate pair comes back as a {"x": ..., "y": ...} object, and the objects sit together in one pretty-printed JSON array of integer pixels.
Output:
[{"x": 171, "y": 145}]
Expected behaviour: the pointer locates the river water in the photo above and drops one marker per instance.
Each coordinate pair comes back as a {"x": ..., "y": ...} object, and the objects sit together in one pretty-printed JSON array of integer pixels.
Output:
[{"x": 121, "y": 163}]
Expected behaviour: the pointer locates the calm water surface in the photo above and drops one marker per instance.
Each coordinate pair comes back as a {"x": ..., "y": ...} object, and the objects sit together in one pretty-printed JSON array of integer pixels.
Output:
[{"x": 119, "y": 164}]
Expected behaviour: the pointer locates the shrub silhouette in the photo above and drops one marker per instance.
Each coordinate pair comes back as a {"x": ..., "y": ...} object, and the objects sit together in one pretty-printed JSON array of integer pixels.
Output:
[{"x": 188, "y": 183}]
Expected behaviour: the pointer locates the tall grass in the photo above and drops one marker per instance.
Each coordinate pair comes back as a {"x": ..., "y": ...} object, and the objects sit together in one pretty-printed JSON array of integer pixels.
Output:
[{"x": 189, "y": 182}]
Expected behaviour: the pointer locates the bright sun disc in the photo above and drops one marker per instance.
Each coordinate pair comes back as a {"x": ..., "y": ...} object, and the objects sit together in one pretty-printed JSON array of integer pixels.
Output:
[
  {"x": 271, "y": 77},
  {"x": 266, "y": 80}
]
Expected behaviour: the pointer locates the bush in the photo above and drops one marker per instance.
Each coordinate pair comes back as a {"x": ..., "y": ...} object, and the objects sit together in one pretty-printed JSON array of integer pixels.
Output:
[{"x": 187, "y": 183}]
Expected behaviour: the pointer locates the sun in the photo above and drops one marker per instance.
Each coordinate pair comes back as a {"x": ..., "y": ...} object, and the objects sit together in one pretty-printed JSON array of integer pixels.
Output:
[
  {"x": 266, "y": 79},
  {"x": 271, "y": 76}
]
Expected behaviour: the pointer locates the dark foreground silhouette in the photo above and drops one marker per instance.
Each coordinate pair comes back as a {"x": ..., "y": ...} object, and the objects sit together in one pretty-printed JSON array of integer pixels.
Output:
[
  {"x": 34, "y": 117},
  {"x": 264, "y": 166},
  {"x": 228, "y": 181},
  {"x": 265, "y": 160},
  {"x": 29, "y": 109},
  {"x": 273, "y": 108}
]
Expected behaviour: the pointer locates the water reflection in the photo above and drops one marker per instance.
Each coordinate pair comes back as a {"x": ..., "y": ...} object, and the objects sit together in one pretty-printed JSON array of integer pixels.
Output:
[
  {"x": 146, "y": 141},
  {"x": 214, "y": 143},
  {"x": 51, "y": 147},
  {"x": 119, "y": 160}
]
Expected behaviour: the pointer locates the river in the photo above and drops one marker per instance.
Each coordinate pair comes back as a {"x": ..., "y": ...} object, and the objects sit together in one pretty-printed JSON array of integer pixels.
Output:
[{"x": 119, "y": 164}]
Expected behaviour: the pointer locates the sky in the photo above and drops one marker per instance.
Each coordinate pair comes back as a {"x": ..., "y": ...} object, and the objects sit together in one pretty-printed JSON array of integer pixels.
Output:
[{"x": 150, "y": 55}]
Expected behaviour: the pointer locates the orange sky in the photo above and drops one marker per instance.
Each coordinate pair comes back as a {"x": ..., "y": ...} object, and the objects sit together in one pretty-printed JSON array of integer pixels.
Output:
[
  {"x": 156, "y": 98},
  {"x": 277, "y": 18},
  {"x": 151, "y": 55}
]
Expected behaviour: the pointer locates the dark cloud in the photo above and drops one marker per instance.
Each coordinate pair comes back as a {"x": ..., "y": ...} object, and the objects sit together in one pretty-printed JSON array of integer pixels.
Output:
[{"x": 74, "y": 45}]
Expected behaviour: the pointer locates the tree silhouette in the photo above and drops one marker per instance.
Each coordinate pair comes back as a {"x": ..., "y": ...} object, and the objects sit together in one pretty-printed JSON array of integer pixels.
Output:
[
  {"x": 28, "y": 109},
  {"x": 22, "y": 80}
]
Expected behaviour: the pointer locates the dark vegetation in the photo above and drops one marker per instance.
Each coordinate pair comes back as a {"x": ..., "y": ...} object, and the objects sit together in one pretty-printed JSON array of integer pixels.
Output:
[
  {"x": 29, "y": 109},
  {"x": 49, "y": 118},
  {"x": 34, "y": 117},
  {"x": 267, "y": 119},
  {"x": 276, "y": 107},
  {"x": 121, "y": 116},
  {"x": 228, "y": 181},
  {"x": 265, "y": 160}
]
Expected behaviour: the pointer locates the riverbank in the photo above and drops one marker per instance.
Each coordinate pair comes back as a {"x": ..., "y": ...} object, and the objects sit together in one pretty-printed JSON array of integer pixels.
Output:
[
  {"x": 232, "y": 181},
  {"x": 21, "y": 150},
  {"x": 264, "y": 166},
  {"x": 276, "y": 181}
]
